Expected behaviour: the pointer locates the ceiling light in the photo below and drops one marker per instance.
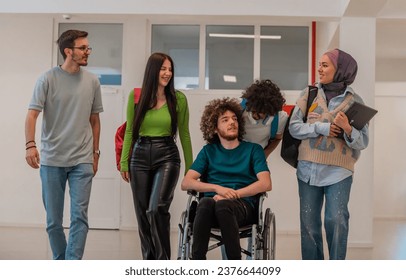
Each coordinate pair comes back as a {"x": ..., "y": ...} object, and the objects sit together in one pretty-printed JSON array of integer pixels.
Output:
[
  {"x": 244, "y": 36},
  {"x": 229, "y": 78}
]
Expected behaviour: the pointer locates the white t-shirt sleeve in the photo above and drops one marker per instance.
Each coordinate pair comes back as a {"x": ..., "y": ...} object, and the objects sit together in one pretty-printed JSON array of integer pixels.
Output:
[{"x": 283, "y": 119}]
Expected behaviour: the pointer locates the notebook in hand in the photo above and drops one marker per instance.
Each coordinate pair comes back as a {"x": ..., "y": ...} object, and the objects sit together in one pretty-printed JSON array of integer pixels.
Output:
[{"x": 359, "y": 114}]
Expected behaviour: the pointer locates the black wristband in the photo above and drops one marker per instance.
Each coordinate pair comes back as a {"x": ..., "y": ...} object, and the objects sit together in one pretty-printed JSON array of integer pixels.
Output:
[
  {"x": 31, "y": 141},
  {"x": 30, "y": 147}
]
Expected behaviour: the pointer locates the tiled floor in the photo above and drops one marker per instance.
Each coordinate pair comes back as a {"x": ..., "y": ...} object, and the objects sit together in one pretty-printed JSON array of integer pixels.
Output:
[{"x": 18, "y": 243}]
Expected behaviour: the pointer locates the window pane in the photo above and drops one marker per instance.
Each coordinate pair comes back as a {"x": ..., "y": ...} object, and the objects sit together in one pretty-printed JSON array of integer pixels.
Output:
[
  {"x": 181, "y": 42},
  {"x": 286, "y": 60},
  {"x": 229, "y": 57},
  {"x": 106, "y": 57}
]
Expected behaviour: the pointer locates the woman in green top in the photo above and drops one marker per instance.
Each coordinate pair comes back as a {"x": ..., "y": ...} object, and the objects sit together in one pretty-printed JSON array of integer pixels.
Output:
[{"x": 154, "y": 165}]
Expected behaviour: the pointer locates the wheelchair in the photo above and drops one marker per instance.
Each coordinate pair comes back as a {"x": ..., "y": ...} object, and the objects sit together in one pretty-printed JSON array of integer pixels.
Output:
[{"x": 263, "y": 233}]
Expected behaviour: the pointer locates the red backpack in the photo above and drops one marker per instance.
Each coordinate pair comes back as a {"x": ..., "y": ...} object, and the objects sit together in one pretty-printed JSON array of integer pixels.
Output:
[{"x": 119, "y": 137}]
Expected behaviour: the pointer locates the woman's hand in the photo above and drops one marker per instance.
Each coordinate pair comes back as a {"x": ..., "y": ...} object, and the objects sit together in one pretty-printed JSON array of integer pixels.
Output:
[
  {"x": 334, "y": 130},
  {"x": 341, "y": 120},
  {"x": 126, "y": 176},
  {"x": 313, "y": 115}
]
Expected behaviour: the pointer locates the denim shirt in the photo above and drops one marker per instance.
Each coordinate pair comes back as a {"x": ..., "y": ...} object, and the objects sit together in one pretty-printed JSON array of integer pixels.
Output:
[{"x": 317, "y": 174}]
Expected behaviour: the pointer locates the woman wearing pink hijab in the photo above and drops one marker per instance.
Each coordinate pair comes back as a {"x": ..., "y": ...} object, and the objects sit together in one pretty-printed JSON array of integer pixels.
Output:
[{"x": 329, "y": 149}]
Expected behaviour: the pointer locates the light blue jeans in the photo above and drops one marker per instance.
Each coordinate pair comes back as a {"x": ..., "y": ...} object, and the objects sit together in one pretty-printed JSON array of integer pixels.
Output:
[
  {"x": 53, "y": 195},
  {"x": 336, "y": 217}
]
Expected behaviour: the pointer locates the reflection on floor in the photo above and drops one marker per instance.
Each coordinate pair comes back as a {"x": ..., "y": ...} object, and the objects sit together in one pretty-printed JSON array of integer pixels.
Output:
[{"x": 17, "y": 243}]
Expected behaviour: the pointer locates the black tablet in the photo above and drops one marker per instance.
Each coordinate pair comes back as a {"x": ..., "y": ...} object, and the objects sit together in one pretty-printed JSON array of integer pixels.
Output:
[{"x": 359, "y": 115}]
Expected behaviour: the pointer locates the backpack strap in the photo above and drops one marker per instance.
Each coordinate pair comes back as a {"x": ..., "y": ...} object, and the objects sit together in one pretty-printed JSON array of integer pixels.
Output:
[
  {"x": 243, "y": 104},
  {"x": 137, "y": 94},
  {"x": 274, "y": 125},
  {"x": 312, "y": 95}
]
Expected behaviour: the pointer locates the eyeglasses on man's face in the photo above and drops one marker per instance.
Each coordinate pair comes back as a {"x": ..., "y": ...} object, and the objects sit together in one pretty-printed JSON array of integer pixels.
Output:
[{"x": 84, "y": 48}]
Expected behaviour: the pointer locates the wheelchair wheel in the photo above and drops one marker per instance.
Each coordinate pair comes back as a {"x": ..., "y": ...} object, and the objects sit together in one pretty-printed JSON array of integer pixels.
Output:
[
  {"x": 185, "y": 232},
  {"x": 181, "y": 230},
  {"x": 269, "y": 235}
]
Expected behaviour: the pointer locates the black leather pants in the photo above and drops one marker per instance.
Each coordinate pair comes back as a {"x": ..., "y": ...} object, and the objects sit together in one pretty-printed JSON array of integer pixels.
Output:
[{"x": 154, "y": 173}]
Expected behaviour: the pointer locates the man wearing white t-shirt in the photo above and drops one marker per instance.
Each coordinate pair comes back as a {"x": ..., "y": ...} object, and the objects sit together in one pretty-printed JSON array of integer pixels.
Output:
[{"x": 263, "y": 103}]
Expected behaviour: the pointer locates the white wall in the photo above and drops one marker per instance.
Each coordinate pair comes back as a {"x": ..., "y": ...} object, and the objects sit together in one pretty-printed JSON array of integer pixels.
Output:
[
  {"x": 27, "y": 51},
  {"x": 390, "y": 160},
  {"x": 352, "y": 31}
]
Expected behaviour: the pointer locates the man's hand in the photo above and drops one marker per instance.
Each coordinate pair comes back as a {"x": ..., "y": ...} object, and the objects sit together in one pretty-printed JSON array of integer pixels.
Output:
[
  {"x": 227, "y": 193},
  {"x": 95, "y": 163},
  {"x": 32, "y": 157},
  {"x": 218, "y": 197}
]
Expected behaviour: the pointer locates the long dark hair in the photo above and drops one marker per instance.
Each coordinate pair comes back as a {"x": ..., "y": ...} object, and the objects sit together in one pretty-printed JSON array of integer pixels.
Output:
[{"x": 149, "y": 89}]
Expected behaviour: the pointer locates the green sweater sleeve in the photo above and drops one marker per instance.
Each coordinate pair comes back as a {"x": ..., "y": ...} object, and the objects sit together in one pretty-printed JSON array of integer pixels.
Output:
[
  {"x": 125, "y": 153},
  {"x": 183, "y": 128}
]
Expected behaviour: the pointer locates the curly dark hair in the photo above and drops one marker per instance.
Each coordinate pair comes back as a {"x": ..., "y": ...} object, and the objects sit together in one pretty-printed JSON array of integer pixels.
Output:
[
  {"x": 213, "y": 110},
  {"x": 264, "y": 97}
]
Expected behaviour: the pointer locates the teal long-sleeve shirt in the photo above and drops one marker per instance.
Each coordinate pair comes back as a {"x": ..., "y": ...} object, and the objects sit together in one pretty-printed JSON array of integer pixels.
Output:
[{"x": 157, "y": 122}]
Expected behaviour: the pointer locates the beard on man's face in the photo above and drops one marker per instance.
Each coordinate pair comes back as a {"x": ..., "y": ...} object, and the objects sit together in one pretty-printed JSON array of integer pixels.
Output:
[
  {"x": 80, "y": 60},
  {"x": 228, "y": 136}
]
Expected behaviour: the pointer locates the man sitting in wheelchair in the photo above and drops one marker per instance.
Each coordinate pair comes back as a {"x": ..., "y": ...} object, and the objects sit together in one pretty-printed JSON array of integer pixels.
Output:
[{"x": 230, "y": 172}]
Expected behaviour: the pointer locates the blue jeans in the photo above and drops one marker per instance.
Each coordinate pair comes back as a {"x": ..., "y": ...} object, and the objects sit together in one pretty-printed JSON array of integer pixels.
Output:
[
  {"x": 336, "y": 217},
  {"x": 53, "y": 195}
]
